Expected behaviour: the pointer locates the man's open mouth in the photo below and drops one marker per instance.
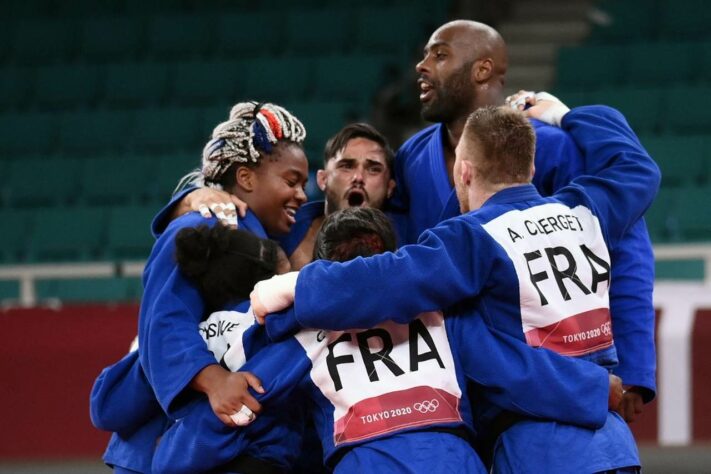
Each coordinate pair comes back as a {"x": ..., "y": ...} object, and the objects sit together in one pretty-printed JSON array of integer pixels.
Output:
[
  {"x": 426, "y": 90},
  {"x": 356, "y": 198}
]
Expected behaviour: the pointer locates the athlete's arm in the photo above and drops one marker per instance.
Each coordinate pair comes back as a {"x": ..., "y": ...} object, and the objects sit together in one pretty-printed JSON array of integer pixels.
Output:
[
  {"x": 200, "y": 442},
  {"x": 172, "y": 352},
  {"x": 633, "y": 315},
  {"x": 122, "y": 399},
  {"x": 206, "y": 201},
  {"x": 449, "y": 264},
  {"x": 623, "y": 179},
  {"x": 533, "y": 382},
  {"x": 558, "y": 162}
]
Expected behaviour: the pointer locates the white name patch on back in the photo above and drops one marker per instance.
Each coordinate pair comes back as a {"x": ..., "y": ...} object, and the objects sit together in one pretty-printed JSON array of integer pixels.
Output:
[
  {"x": 223, "y": 332},
  {"x": 563, "y": 270},
  {"x": 385, "y": 379}
]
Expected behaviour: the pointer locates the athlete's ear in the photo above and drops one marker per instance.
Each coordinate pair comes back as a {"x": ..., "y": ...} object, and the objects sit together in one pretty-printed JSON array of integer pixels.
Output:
[
  {"x": 246, "y": 178},
  {"x": 321, "y": 176},
  {"x": 482, "y": 70},
  {"x": 466, "y": 172},
  {"x": 533, "y": 171},
  {"x": 391, "y": 188}
]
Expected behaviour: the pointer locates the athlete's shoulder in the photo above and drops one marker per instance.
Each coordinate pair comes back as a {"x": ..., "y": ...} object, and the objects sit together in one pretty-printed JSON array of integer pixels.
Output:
[
  {"x": 545, "y": 131},
  {"x": 419, "y": 139},
  {"x": 190, "y": 219},
  {"x": 463, "y": 224}
]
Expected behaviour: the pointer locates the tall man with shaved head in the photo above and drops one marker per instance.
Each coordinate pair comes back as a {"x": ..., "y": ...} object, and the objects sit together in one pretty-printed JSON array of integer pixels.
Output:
[{"x": 463, "y": 69}]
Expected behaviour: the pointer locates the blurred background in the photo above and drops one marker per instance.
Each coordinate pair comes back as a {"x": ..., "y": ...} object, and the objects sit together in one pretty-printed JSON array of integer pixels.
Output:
[{"x": 105, "y": 104}]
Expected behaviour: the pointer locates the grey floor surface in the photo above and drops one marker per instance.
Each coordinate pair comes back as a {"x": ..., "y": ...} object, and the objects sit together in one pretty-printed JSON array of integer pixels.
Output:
[{"x": 688, "y": 460}]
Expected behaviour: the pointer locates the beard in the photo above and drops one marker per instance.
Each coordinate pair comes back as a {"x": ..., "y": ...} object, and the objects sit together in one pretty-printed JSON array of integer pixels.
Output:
[{"x": 452, "y": 97}]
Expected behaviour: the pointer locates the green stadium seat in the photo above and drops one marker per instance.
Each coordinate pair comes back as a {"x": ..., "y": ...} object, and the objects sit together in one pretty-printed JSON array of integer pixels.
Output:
[
  {"x": 349, "y": 78},
  {"x": 208, "y": 82},
  {"x": 270, "y": 5},
  {"x": 170, "y": 169},
  {"x": 15, "y": 87},
  {"x": 166, "y": 129},
  {"x": 15, "y": 235},
  {"x": 9, "y": 290},
  {"x": 128, "y": 233},
  {"x": 582, "y": 66},
  {"x": 67, "y": 86},
  {"x": 94, "y": 131},
  {"x": 249, "y": 34},
  {"x": 374, "y": 31},
  {"x": 211, "y": 117},
  {"x": 44, "y": 41},
  {"x": 27, "y": 133},
  {"x": 691, "y": 213},
  {"x": 687, "y": 110},
  {"x": 681, "y": 159},
  {"x": 277, "y": 79},
  {"x": 67, "y": 234},
  {"x": 684, "y": 19},
  {"x": 85, "y": 8},
  {"x": 136, "y": 84},
  {"x": 322, "y": 120},
  {"x": 53, "y": 182},
  {"x": 704, "y": 61},
  {"x": 7, "y": 32},
  {"x": 116, "y": 179},
  {"x": 660, "y": 63},
  {"x": 572, "y": 97},
  {"x": 25, "y": 9},
  {"x": 107, "y": 39},
  {"x": 641, "y": 106},
  {"x": 151, "y": 8},
  {"x": 705, "y": 156},
  {"x": 87, "y": 290},
  {"x": 661, "y": 225},
  {"x": 318, "y": 31},
  {"x": 629, "y": 20},
  {"x": 180, "y": 36}
]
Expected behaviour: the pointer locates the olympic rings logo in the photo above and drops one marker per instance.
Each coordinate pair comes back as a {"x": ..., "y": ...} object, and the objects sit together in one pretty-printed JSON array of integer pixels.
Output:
[{"x": 426, "y": 406}]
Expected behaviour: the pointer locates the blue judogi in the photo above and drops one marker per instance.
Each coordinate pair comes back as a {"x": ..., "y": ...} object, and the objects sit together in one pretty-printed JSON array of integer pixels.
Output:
[
  {"x": 384, "y": 395},
  {"x": 536, "y": 268},
  {"x": 425, "y": 197},
  {"x": 128, "y": 401}
]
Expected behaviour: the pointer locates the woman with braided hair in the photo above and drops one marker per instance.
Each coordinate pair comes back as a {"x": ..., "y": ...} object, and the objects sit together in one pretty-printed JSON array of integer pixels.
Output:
[
  {"x": 257, "y": 155},
  {"x": 252, "y": 132}
]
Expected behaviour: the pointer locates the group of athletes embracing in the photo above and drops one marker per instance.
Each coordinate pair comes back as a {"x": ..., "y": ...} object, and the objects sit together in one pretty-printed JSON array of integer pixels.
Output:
[{"x": 480, "y": 301}]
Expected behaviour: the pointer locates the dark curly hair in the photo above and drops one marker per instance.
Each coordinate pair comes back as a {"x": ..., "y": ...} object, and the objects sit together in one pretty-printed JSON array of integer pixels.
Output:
[
  {"x": 224, "y": 263},
  {"x": 354, "y": 232}
]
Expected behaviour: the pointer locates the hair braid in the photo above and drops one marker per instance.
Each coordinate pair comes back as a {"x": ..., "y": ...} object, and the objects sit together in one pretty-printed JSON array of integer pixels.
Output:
[{"x": 251, "y": 131}]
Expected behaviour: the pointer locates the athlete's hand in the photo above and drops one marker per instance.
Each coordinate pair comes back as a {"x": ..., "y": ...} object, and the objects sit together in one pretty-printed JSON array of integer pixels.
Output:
[
  {"x": 542, "y": 106},
  {"x": 272, "y": 295},
  {"x": 616, "y": 393},
  {"x": 632, "y": 404},
  {"x": 209, "y": 201},
  {"x": 521, "y": 99},
  {"x": 228, "y": 391}
]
